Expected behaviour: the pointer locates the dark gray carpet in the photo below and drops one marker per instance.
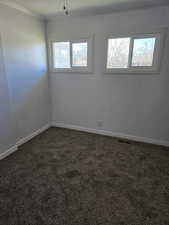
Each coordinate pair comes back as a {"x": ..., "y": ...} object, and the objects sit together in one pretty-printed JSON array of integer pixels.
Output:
[{"x": 66, "y": 177}]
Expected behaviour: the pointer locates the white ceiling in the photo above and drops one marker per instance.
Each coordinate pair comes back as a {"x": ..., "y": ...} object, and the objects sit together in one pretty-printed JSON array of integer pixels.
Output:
[{"x": 55, "y": 7}]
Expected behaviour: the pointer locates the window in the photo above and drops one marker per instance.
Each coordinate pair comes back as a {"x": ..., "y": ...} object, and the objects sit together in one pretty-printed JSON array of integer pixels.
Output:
[
  {"x": 139, "y": 53},
  {"x": 71, "y": 56},
  {"x": 79, "y": 54},
  {"x": 61, "y": 54},
  {"x": 118, "y": 52},
  {"x": 143, "y": 52}
]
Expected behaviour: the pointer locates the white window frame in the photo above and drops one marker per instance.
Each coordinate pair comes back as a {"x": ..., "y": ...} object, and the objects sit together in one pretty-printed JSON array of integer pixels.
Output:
[
  {"x": 73, "y": 69},
  {"x": 159, "y": 35}
]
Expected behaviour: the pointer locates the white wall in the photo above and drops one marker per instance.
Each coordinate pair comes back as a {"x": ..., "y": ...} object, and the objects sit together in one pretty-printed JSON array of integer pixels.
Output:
[
  {"x": 136, "y": 105},
  {"x": 5, "y": 117},
  {"x": 24, "y": 83}
]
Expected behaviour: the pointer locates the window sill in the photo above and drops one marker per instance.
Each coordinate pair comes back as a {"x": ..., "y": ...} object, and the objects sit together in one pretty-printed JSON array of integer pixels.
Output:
[
  {"x": 77, "y": 70},
  {"x": 133, "y": 71}
]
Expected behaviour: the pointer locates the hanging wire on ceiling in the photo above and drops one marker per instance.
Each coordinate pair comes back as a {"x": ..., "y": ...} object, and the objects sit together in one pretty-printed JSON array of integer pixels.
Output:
[{"x": 65, "y": 7}]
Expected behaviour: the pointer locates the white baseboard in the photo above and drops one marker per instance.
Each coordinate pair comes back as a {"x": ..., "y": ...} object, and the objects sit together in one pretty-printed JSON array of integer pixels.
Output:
[
  {"x": 8, "y": 152},
  {"x": 23, "y": 141},
  {"x": 34, "y": 134},
  {"x": 80, "y": 128},
  {"x": 113, "y": 134}
]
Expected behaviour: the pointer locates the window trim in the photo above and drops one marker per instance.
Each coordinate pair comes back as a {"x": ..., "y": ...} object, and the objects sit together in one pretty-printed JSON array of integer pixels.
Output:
[
  {"x": 160, "y": 34},
  {"x": 72, "y": 69}
]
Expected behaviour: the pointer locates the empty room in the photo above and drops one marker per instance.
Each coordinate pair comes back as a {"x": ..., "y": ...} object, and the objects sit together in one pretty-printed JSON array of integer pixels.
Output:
[{"x": 84, "y": 112}]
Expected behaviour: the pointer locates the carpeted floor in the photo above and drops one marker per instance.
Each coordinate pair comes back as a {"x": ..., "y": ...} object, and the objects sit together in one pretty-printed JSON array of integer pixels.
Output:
[{"x": 66, "y": 177}]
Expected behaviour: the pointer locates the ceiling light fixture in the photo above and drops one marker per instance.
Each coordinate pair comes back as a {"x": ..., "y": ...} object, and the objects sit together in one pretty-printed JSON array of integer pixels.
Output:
[{"x": 65, "y": 7}]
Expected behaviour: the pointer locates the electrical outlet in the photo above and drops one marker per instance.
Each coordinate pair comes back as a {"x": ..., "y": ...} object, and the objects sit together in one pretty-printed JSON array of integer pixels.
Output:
[{"x": 100, "y": 123}]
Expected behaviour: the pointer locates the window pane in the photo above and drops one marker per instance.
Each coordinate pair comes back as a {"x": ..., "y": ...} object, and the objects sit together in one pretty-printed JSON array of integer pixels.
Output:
[
  {"x": 118, "y": 53},
  {"x": 143, "y": 51},
  {"x": 61, "y": 54},
  {"x": 79, "y": 54}
]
